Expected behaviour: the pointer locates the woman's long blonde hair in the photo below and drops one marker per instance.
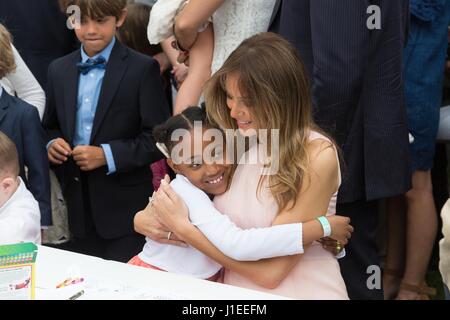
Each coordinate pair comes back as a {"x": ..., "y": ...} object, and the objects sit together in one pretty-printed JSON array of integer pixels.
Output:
[
  {"x": 7, "y": 62},
  {"x": 274, "y": 80}
]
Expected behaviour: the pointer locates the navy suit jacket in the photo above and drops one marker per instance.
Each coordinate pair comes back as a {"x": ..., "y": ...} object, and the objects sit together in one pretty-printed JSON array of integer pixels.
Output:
[
  {"x": 21, "y": 123},
  {"x": 357, "y": 84},
  {"x": 40, "y": 33},
  {"x": 130, "y": 104}
]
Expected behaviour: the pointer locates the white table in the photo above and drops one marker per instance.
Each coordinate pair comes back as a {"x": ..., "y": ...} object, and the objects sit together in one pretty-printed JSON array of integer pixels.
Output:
[{"x": 54, "y": 266}]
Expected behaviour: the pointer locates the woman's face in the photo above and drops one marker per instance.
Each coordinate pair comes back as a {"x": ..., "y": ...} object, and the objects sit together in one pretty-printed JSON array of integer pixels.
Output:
[
  {"x": 238, "y": 105},
  {"x": 208, "y": 172}
]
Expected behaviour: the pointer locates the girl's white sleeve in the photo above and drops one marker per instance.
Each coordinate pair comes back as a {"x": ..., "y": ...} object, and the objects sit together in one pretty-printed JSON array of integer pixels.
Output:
[
  {"x": 239, "y": 244},
  {"x": 24, "y": 84}
]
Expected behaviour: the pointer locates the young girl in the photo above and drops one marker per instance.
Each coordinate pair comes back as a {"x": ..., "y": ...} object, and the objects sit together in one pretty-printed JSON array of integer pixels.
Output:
[
  {"x": 160, "y": 28},
  {"x": 199, "y": 175},
  {"x": 263, "y": 85}
]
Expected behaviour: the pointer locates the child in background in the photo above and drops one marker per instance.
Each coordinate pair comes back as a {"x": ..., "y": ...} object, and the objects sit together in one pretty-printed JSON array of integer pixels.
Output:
[
  {"x": 19, "y": 211},
  {"x": 133, "y": 34},
  {"x": 160, "y": 28}
]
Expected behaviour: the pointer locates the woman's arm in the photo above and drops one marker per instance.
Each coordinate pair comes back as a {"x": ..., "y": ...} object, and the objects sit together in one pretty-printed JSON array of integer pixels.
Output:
[
  {"x": 189, "y": 20},
  {"x": 236, "y": 243},
  {"x": 313, "y": 199},
  {"x": 239, "y": 244}
]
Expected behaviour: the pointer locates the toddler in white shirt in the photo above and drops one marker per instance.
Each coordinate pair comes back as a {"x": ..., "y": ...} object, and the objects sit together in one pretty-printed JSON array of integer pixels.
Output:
[{"x": 19, "y": 211}]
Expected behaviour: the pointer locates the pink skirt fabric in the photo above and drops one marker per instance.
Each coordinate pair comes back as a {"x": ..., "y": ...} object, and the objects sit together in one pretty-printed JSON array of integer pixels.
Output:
[{"x": 136, "y": 261}]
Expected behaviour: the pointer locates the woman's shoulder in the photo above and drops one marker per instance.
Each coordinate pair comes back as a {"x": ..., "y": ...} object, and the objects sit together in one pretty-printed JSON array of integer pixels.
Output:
[
  {"x": 319, "y": 141},
  {"x": 322, "y": 154},
  {"x": 316, "y": 135},
  {"x": 322, "y": 151}
]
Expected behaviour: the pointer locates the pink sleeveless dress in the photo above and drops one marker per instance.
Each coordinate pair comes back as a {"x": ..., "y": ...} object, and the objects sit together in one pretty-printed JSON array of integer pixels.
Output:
[{"x": 317, "y": 275}]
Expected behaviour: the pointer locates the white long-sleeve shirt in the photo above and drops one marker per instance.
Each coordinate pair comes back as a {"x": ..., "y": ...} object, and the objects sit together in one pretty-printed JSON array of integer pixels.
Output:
[
  {"x": 244, "y": 245},
  {"x": 22, "y": 83},
  {"x": 20, "y": 218}
]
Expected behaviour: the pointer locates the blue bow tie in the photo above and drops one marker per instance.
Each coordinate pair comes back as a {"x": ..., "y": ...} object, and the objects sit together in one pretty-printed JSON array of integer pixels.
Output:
[{"x": 98, "y": 63}]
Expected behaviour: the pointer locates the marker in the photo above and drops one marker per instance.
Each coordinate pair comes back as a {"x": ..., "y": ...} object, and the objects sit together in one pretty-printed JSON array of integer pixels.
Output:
[
  {"x": 69, "y": 282},
  {"x": 77, "y": 295}
]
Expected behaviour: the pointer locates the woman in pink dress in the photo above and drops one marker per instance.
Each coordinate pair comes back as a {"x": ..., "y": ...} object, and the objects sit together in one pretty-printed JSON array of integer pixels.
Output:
[{"x": 263, "y": 85}]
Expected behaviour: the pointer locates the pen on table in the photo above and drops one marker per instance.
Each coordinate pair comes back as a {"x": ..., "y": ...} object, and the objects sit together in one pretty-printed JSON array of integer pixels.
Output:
[{"x": 76, "y": 295}]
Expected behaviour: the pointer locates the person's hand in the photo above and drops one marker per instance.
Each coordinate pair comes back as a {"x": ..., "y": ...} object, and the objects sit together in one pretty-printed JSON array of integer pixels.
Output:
[
  {"x": 331, "y": 245},
  {"x": 341, "y": 230},
  {"x": 59, "y": 151},
  {"x": 163, "y": 61},
  {"x": 183, "y": 58},
  {"x": 89, "y": 158},
  {"x": 146, "y": 223},
  {"x": 170, "y": 209},
  {"x": 180, "y": 73},
  {"x": 183, "y": 55}
]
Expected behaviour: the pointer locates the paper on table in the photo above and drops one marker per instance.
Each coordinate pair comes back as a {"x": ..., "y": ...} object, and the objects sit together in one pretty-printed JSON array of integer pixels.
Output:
[
  {"x": 58, "y": 294},
  {"x": 95, "y": 289},
  {"x": 105, "y": 290}
]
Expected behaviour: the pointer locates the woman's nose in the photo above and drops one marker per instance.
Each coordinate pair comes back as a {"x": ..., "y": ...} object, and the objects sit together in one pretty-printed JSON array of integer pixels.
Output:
[{"x": 234, "y": 111}]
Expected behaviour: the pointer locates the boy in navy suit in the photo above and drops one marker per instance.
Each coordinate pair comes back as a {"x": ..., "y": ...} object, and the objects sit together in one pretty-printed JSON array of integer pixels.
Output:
[{"x": 102, "y": 104}]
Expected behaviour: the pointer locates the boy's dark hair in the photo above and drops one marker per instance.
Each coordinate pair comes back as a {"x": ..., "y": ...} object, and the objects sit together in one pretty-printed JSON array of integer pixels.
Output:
[
  {"x": 133, "y": 32},
  {"x": 185, "y": 120},
  {"x": 9, "y": 159},
  {"x": 96, "y": 9}
]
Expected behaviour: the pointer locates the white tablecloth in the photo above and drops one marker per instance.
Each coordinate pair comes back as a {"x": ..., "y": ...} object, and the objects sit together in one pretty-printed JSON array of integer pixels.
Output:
[{"x": 105, "y": 279}]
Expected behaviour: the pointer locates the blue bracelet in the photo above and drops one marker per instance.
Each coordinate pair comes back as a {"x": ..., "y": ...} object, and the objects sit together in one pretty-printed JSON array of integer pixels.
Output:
[{"x": 325, "y": 225}]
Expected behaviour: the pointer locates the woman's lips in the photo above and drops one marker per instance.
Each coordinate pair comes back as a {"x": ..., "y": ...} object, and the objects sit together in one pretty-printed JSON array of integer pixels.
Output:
[{"x": 243, "y": 124}]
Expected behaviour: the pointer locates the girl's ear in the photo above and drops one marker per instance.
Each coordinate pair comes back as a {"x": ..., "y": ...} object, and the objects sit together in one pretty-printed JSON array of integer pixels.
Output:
[{"x": 173, "y": 166}]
